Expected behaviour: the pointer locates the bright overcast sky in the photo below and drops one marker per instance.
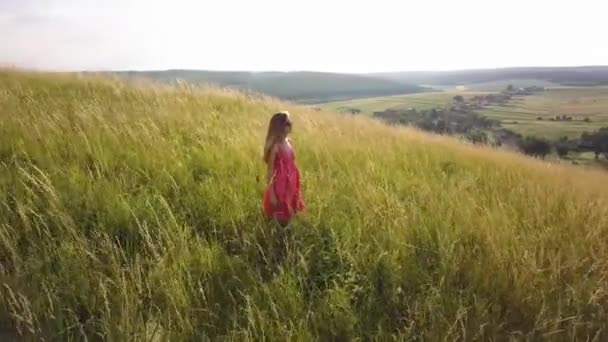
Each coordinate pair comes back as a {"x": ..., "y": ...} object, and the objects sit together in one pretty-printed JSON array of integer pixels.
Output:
[{"x": 322, "y": 35}]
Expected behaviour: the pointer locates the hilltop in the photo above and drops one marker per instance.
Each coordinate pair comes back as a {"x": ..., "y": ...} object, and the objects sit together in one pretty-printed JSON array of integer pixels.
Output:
[
  {"x": 133, "y": 213},
  {"x": 302, "y": 86}
]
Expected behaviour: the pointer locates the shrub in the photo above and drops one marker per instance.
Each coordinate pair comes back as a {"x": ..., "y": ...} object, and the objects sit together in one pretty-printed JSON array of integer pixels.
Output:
[{"x": 535, "y": 146}]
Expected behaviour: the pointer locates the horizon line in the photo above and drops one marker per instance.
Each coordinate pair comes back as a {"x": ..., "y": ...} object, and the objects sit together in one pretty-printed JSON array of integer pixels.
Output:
[{"x": 8, "y": 66}]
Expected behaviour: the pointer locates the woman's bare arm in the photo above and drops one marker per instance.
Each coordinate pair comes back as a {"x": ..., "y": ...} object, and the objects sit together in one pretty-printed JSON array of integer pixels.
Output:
[{"x": 271, "y": 159}]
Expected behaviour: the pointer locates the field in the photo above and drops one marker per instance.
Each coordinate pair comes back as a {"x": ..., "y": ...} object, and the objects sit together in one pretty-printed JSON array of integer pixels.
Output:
[
  {"x": 520, "y": 115},
  {"x": 132, "y": 213},
  {"x": 577, "y": 102},
  {"x": 495, "y": 86},
  {"x": 419, "y": 101}
]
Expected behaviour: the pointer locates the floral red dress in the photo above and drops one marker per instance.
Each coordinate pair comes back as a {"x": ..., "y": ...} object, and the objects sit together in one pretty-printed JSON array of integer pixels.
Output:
[{"x": 286, "y": 184}]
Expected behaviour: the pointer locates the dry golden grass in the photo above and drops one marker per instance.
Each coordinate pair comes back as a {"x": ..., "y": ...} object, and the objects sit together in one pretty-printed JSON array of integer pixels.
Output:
[{"x": 133, "y": 213}]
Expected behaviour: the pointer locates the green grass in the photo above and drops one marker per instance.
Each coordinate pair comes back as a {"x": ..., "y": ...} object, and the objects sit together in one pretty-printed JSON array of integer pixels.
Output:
[
  {"x": 578, "y": 102},
  {"x": 417, "y": 101},
  {"x": 132, "y": 213}
]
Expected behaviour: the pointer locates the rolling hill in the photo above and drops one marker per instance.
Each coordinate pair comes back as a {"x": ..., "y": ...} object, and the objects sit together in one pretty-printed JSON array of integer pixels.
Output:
[
  {"x": 577, "y": 76},
  {"x": 306, "y": 87},
  {"x": 133, "y": 213}
]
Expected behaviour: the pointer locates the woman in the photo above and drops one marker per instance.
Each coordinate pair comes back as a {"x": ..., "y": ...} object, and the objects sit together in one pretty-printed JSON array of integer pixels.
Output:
[{"x": 283, "y": 197}]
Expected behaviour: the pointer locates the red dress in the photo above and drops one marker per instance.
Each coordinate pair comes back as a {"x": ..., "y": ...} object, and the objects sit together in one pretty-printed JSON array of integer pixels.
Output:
[{"x": 286, "y": 184}]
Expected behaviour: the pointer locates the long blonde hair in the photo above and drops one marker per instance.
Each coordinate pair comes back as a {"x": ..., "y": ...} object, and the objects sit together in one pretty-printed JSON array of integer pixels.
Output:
[{"x": 275, "y": 131}]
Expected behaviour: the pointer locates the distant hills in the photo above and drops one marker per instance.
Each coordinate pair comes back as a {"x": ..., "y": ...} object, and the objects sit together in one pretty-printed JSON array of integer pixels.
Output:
[
  {"x": 570, "y": 76},
  {"x": 301, "y": 86},
  {"x": 319, "y": 87}
]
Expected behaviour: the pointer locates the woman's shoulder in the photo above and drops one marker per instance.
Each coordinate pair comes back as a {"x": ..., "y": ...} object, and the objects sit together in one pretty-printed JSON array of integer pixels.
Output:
[
  {"x": 283, "y": 149},
  {"x": 276, "y": 149},
  {"x": 289, "y": 143}
]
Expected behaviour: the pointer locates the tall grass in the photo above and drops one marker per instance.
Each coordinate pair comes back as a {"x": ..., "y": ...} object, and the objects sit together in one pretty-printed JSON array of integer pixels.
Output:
[{"x": 133, "y": 213}]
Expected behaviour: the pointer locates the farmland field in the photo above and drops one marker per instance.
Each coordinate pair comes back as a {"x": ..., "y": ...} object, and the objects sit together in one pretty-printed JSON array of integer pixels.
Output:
[
  {"x": 417, "y": 101},
  {"x": 522, "y": 115},
  {"x": 496, "y": 86}
]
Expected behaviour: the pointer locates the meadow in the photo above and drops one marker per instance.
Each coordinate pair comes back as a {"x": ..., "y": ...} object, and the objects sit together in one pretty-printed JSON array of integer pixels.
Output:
[{"x": 131, "y": 212}]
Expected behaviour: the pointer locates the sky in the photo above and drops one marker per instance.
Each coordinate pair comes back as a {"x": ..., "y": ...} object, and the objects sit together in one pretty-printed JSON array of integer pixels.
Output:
[{"x": 321, "y": 35}]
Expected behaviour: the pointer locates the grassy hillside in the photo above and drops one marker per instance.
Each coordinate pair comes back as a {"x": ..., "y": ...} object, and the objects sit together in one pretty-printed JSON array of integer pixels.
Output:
[
  {"x": 580, "y": 76},
  {"x": 133, "y": 213},
  {"x": 311, "y": 87}
]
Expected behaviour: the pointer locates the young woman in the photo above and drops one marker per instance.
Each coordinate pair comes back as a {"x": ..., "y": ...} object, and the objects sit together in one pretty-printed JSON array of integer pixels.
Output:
[{"x": 283, "y": 197}]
